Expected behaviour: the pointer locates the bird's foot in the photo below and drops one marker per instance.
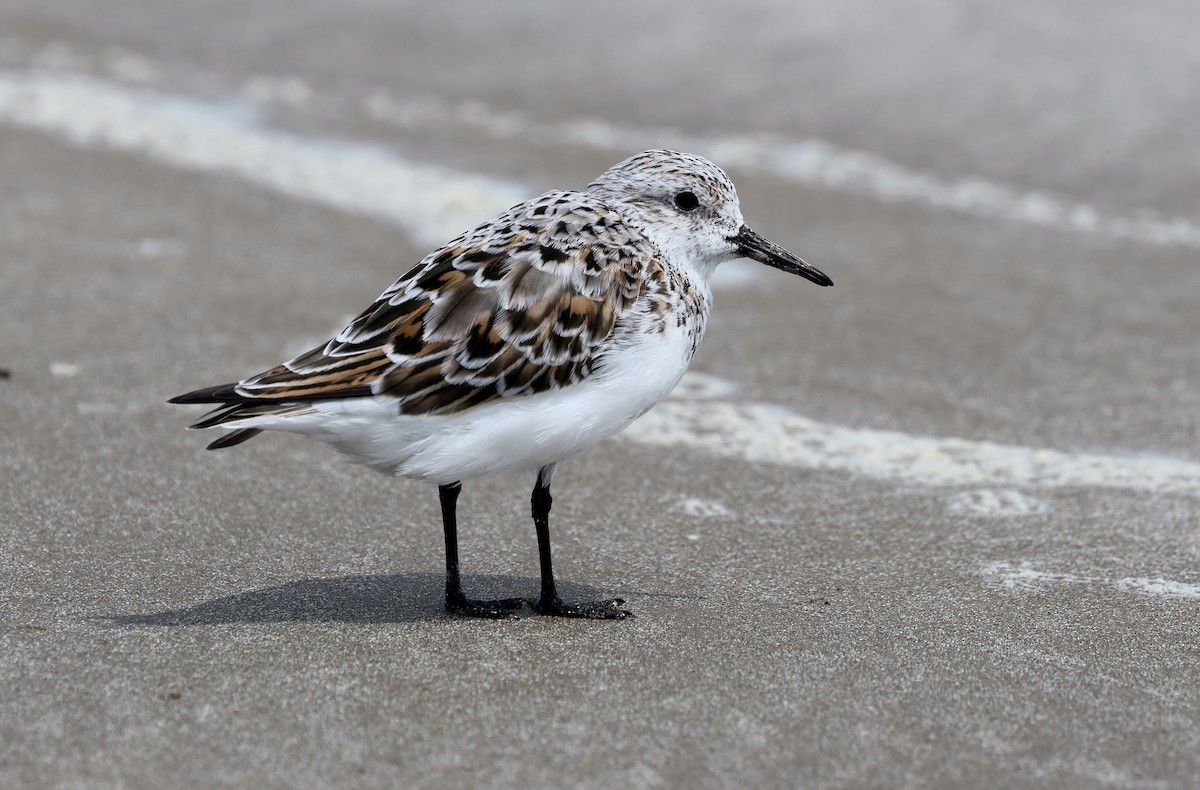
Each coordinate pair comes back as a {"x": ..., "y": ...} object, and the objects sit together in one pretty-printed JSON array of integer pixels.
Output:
[
  {"x": 553, "y": 606},
  {"x": 499, "y": 609}
]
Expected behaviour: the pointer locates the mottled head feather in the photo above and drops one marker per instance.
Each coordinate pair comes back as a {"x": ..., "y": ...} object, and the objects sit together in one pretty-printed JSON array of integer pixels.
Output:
[{"x": 646, "y": 189}]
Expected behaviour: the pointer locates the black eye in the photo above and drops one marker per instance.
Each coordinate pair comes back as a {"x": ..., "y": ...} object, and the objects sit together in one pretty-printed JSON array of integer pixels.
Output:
[{"x": 687, "y": 201}]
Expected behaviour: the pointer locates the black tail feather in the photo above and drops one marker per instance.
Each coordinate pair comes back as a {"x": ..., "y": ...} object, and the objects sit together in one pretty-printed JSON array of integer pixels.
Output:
[
  {"x": 234, "y": 437},
  {"x": 217, "y": 416},
  {"x": 232, "y": 406},
  {"x": 230, "y": 412},
  {"x": 227, "y": 393}
]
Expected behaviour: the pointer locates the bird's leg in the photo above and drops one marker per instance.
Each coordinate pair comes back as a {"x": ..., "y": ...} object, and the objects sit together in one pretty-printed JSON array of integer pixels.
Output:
[
  {"x": 456, "y": 601},
  {"x": 549, "y": 602}
]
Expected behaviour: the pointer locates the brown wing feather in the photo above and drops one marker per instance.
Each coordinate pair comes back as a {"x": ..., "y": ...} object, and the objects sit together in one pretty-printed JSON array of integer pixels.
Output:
[{"x": 517, "y": 306}]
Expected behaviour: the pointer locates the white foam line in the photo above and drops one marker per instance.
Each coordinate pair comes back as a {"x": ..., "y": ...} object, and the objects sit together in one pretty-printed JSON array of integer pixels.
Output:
[
  {"x": 770, "y": 434},
  {"x": 432, "y": 204},
  {"x": 1164, "y": 588},
  {"x": 812, "y": 162},
  {"x": 1023, "y": 576}
]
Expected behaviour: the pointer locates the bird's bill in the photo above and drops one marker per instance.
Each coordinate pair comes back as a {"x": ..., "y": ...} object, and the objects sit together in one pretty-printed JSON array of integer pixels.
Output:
[{"x": 751, "y": 245}]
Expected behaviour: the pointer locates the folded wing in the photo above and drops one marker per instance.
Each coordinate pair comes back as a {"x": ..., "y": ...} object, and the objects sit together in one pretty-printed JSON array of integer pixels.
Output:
[{"x": 521, "y": 305}]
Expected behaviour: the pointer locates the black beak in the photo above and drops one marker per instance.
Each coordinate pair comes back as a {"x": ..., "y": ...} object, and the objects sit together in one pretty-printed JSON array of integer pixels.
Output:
[{"x": 751, "y": 245}]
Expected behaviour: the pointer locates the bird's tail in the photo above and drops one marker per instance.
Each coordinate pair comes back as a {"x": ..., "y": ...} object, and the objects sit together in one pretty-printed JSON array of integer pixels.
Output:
[{"x": 235, "y": 410}]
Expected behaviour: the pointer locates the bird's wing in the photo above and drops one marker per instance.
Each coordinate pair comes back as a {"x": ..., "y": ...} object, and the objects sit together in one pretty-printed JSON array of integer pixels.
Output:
[{"x": 520, "y": 305}]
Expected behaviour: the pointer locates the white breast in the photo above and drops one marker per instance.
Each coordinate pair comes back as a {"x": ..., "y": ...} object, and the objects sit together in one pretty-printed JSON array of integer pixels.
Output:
[{"x": 526, "y": 434}]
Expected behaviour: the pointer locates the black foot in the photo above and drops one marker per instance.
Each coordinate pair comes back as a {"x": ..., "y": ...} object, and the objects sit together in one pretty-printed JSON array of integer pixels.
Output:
[
  {"x": 501, "y": 609},
  {"x": 592, "y": 610}
]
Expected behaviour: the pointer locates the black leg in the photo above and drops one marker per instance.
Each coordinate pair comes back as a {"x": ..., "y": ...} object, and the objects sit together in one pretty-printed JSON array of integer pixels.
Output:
[
  {"x": 456, "y": 601},
  {"x": 549, "y": 602}
]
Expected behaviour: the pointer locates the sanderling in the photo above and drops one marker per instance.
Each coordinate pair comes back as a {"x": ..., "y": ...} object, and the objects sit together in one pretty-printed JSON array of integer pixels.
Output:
[{"x": 519, "y": 344}]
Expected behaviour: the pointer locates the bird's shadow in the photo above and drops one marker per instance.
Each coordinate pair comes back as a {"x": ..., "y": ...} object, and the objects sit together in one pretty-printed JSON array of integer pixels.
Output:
[{"x": 373, "y": 598}]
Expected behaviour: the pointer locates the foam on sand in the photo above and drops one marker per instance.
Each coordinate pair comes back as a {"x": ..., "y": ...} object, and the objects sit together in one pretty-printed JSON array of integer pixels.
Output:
[
  {"x": 811, "y": 162},
  {"x": 432, "y": 204},
  {"x": 1024, "y": 576},
  {"x": 764, "y": 433}
]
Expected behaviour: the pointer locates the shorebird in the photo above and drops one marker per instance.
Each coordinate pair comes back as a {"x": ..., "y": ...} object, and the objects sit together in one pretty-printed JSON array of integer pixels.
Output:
[{"x": 518, "y": 345}]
